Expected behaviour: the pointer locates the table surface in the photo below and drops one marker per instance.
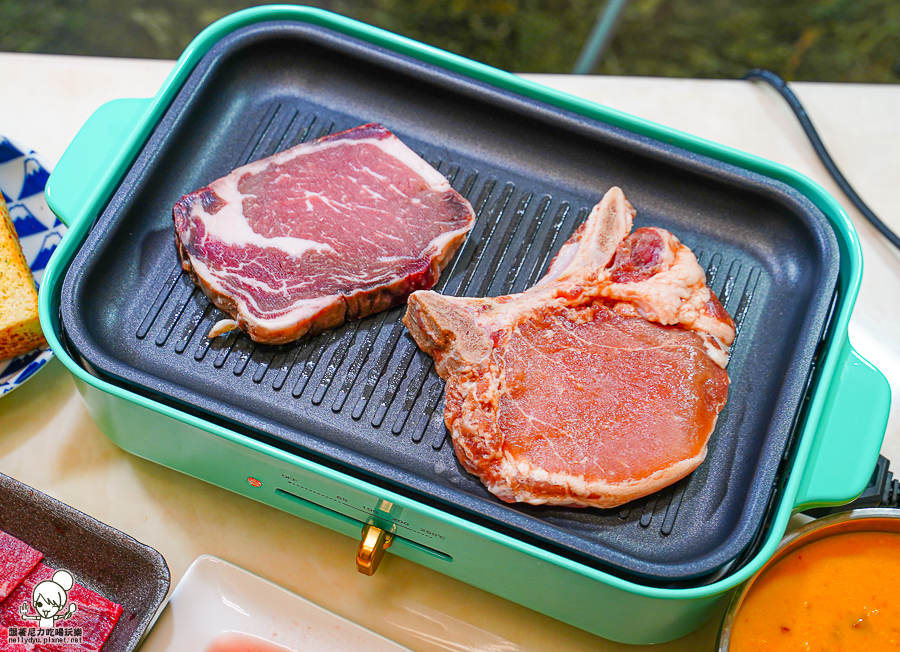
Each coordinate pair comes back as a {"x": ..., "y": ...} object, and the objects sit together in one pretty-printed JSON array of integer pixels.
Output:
[{"x": 48, "y": 441}]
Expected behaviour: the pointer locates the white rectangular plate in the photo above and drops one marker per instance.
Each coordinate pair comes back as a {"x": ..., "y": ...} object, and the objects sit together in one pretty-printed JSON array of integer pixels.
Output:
[{"x": 216, "y": 598}]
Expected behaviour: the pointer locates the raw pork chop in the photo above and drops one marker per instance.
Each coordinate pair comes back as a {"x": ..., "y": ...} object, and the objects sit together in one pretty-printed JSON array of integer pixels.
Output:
[
  {"x": 600, "y": 384},
  {"x": 327, "y": 231}
]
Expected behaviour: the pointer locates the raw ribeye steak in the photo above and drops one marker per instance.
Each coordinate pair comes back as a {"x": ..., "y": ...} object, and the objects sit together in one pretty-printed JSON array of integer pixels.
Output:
[
  {"x": 600, "y": 384},
  {"x": 335, "y": 229}
]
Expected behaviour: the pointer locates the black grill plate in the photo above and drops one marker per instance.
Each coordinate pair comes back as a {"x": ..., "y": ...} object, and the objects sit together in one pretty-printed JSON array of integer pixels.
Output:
[{"x": 363, "y": 396}]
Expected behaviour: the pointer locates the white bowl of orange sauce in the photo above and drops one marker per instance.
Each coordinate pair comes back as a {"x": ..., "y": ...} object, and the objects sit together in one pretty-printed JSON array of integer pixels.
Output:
[{"x": 832, "y": 584}]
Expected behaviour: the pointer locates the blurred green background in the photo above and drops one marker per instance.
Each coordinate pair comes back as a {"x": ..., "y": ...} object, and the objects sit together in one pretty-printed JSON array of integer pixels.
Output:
[{"x": 816, "y": 40}]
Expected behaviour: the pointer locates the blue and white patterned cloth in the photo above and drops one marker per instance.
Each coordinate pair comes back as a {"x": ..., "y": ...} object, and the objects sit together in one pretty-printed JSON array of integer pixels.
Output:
[{"x": 22, "y": 179}]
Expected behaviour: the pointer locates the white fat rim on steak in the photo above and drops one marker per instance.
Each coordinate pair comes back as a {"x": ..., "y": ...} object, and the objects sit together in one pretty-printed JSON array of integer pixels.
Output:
[
  {"x": 230, "y": 226},
  {"x": 301, "y": 311}
]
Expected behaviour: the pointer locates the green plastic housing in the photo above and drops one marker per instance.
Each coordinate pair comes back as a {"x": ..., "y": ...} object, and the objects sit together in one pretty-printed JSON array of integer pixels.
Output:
[{"x": 836, "y": 452}]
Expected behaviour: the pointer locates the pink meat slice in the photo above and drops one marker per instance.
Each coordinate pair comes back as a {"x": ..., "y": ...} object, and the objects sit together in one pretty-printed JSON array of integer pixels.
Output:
[
  {"x": 327, "y": 231},
  {"x": 96, "y": 616},
  {"x": 17, "y": 559}
]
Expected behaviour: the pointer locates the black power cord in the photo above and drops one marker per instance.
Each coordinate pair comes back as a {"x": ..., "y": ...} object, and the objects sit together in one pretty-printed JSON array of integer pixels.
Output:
[
  {"x": 883, "y": 490},
  {"x": 781, "y": 86}
]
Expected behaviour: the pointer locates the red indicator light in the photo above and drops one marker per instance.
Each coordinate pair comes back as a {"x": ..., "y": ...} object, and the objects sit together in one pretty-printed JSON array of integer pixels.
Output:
[{"x": 254, "y": 482}]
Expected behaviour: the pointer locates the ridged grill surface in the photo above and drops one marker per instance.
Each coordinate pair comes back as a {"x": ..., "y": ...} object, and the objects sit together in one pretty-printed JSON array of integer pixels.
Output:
[
  {"x": 362, "y": 397},
  {"x": 502, "y": 255}
]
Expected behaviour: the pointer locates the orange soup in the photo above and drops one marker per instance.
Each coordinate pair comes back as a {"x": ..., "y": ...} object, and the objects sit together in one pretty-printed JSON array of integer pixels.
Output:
[{"x": 838, "y": 593}]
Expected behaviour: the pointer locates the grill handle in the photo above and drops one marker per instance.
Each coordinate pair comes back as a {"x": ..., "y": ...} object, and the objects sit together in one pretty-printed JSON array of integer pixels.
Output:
[
  {"x": 849, "y": 436},
  {"x": 94, "y": 162}
]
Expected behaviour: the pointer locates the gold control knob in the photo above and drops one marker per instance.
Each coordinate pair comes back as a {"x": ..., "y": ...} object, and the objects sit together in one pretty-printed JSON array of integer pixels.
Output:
[{"x": 371, "y": 548}]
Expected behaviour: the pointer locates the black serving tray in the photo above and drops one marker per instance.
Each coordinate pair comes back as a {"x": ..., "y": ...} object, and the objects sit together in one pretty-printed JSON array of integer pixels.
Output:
[
  {"x": 362, "y": 397},
  {"x": 100, "y": 557}
]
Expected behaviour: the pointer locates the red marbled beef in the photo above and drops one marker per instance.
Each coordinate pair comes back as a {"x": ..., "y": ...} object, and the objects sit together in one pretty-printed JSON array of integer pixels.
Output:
[
  {"x": 331, "y": 230},
  {"x": 95, "y": 615},
  {"x": 17, "y": 559}
]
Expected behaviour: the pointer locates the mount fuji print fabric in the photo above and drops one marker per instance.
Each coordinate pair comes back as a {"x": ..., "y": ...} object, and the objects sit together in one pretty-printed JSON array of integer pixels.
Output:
[{"x": 22, "y": 179}]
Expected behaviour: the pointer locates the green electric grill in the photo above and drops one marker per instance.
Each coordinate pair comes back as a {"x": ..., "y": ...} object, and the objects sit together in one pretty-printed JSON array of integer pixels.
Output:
[{"x": 346, "y": 429}]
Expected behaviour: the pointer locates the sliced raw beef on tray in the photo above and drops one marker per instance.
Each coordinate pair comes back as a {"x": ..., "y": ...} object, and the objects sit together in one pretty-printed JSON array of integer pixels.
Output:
[
  {"x": 327, "y": 231},
  {"x": 94, "y": 615},
  {"x": 17, "y": 559},
  {"x": 600, "y": 384}
]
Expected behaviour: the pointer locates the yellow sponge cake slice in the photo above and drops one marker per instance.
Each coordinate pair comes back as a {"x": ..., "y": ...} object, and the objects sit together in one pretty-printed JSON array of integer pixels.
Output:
[{"x": 20, "y": 330}]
